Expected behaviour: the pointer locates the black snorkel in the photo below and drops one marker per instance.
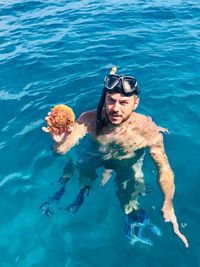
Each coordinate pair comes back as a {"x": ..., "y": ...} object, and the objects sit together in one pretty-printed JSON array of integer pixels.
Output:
[{"x": 99, "y": 122}]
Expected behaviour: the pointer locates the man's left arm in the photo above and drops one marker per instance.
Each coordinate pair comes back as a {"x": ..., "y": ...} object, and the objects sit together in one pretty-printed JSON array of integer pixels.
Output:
[
  {"x": 165, "y": 174},
  {"x": 166, "y": 181}
]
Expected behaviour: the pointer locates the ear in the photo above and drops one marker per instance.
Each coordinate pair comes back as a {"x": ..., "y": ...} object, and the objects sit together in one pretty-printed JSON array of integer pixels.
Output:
[{"x": 136, "y": 102}]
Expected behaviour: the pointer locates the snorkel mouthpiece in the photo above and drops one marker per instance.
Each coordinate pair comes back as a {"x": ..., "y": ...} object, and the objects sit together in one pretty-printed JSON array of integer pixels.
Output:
[{"x": 113, "y": 70}]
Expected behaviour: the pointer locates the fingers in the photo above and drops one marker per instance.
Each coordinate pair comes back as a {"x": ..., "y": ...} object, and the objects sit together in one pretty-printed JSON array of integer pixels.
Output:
[
  {"x": 167, "y": 218},
  {"x": 70, "y": 129},
  {"x": 45, "y": 129},
  {"x": 177, "y": 232},
  {"x": 167, "y": 212},
  {"x": 57, "y": 134},
  {"x": 62, "y": 135},
  {"x": 47, "y": 117},
  {"x": 58, "y": 138},
  {"x": 170, "y": 216},
  {"x": 163, "y": 130}
]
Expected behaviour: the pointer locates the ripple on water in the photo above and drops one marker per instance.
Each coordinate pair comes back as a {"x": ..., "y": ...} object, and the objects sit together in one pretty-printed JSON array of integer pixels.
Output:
[{"x": 59, "y": 52}]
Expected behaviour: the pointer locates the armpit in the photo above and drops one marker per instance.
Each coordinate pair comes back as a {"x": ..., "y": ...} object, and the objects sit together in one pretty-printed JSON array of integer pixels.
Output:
[
  {"x": 150, "y": 124},
  {"x": 155, "y": 141},
  {"x": 151, "y": 131},
  {"x": 87, "y": 120}
]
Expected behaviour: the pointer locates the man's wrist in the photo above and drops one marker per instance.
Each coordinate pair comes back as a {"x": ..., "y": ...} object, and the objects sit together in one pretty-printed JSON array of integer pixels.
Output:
[
  {"x": 59, "y": 149},
  {"x": 168, "y": 202}
]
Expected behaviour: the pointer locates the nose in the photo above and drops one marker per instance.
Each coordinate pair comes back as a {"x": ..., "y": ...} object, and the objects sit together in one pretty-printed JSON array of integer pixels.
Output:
[{"x": 115, "y": 107}]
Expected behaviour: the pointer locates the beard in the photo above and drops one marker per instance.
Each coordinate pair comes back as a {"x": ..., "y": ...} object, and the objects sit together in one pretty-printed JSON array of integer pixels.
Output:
[{"x": 120, "y": 118}]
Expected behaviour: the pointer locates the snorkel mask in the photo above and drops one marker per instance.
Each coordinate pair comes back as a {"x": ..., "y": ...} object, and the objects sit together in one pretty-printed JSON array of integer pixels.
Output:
[
  {"x": 125, "y": 85},
  {"x": 113, "y": 83}
]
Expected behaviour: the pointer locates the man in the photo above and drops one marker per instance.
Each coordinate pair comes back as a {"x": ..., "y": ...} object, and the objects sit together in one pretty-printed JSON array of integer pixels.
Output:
[{"x": 122, "y": 134}]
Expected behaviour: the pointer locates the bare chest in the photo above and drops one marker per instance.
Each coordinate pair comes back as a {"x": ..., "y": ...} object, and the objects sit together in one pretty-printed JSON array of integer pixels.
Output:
[
  {"x": 125, "y": 139},
  {"x": 122, "y": 142}
]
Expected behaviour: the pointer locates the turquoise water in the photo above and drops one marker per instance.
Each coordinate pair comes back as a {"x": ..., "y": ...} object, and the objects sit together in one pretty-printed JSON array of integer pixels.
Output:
[{"x": 59, "y": 52}]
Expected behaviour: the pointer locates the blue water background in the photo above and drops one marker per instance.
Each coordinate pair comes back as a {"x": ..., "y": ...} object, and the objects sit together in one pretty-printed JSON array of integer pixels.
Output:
[{"x": 59, "y": 52}]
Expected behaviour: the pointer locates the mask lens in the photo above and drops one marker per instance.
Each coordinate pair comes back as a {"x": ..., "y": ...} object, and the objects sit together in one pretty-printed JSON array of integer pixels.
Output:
[
  {"x": 111, "y": 81},
  {"x": 129, "y": 84}
]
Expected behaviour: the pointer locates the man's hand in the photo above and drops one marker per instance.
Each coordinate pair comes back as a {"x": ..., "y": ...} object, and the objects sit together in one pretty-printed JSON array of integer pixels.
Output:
[
  {"x": 169, "y": 216},
  {"x": 166, "y": 181},
  {"x": 168, "y": 211},
  {"x": 58, "y": 138}
]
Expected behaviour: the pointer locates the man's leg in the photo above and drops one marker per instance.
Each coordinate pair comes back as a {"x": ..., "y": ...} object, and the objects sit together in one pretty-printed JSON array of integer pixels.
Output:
[
  {"x": 130, "y": 185},
  {"x": 87, "y": 175},
  {"x": 106, "y": 175},
  {"x": 129, "y": 190},
  {"x": 68, "y": 172}
]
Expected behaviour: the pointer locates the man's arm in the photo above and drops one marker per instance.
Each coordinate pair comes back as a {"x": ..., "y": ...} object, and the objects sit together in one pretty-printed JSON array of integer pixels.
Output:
[
  {"x": 166, "y": 181},
  {"x": 165, "y": 173},
  {"x": 82, "y": 126}
]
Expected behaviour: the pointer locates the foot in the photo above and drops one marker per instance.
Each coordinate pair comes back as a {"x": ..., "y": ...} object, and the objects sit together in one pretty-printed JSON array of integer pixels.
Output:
[{"x": 75, "y": 206}]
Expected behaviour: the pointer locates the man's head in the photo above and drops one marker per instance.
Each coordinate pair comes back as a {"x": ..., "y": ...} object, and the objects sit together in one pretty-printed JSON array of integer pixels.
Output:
[
  {"x": 118, "y": 107},
  {"x": 120, "y": 98}
]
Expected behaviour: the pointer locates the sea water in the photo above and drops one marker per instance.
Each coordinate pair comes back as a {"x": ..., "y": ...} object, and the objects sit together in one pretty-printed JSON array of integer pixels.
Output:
[{"x": 55, "y": 52}]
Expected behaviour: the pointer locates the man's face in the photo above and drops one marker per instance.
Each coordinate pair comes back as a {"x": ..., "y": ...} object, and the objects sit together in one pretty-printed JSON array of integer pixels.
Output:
[{"x": 119, "y": 107}]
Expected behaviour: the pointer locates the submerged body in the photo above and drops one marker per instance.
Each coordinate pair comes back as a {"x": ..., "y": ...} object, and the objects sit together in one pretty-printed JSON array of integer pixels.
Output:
[
  {"x": 122, "y": 142},
  {"x": 122, "y": 134}
]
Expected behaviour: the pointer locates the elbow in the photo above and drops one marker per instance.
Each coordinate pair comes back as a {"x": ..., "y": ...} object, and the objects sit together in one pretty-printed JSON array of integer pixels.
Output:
[{"x": 166, "y": 172}]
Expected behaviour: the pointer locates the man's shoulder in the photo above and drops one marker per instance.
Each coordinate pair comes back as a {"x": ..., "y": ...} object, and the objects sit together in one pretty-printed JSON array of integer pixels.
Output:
[
  {"x": 88, "y": 120},
  {"x": 87, "y": 115},
  {"x": 148, "y": 125},
  {"x": 143, "y": 120}
]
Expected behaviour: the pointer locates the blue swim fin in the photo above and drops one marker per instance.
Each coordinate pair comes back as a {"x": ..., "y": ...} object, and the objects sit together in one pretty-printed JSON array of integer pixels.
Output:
[
  {"x": 45, "y": 206},
  {"x": 135, "y": 223},
  {"x": 68, "y": 171},
  {"x": 75, "y": 206},
  {"x": 45, "y": 209}
]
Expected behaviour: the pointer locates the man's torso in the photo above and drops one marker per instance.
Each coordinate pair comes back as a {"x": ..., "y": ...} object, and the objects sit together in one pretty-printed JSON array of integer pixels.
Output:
[{"x": 122, "y": 141}]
